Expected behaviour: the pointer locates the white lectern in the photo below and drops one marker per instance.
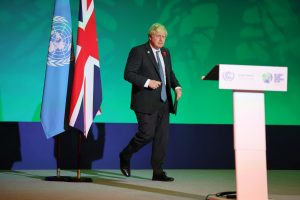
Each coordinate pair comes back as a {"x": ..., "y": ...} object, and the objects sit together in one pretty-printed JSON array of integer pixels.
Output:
[{"x": 248, "y": 84}]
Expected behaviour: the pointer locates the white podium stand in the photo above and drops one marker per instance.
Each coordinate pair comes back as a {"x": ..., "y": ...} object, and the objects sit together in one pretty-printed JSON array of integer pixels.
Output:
[{"x": 248, "y": 84}]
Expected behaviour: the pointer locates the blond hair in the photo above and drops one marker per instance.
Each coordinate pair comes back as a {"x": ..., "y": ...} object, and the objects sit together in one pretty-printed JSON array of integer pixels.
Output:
[{"x": 154, "y": 28}]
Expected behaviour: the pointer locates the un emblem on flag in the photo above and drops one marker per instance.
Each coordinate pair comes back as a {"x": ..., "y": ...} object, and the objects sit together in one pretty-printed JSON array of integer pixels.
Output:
[{"x": 60, "y": 43}]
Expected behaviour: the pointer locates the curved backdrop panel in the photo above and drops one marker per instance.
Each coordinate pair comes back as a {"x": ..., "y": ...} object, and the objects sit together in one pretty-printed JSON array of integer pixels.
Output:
[{"x": 200, "y": 35}]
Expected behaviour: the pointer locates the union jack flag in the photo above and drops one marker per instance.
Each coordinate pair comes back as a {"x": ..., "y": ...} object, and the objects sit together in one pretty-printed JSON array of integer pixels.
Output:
[{"x": 86, "y": 95}]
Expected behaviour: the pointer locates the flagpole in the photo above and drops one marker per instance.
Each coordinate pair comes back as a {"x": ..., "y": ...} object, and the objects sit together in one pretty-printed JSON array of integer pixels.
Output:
[
  {"x": 78, "y": 178},
  {"x": 58, "y": 177},
  {"x": 57, "y": 141},
  {"x": 57, "y": 138},
  {"x": 78, "y": 155}
]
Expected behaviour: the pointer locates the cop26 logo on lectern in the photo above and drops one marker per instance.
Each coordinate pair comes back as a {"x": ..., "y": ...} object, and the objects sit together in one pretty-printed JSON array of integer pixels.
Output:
[
  {"x": 275, "y": 77},
  {"x": 267, "y": 77}
]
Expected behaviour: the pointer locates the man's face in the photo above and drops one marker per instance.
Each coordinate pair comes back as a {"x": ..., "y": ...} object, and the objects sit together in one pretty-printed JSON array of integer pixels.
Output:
[{"x": 158, "y": 39}]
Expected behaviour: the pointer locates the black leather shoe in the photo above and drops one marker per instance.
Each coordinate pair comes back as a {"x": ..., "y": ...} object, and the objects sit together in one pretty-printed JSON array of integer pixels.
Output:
[
  {"x": 124, "y": 166},
  {"x": 162, "y": 177}
]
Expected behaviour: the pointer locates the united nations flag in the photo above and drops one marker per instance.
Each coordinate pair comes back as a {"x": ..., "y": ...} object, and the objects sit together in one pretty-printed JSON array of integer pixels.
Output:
[{"x": 60, "y": 58}]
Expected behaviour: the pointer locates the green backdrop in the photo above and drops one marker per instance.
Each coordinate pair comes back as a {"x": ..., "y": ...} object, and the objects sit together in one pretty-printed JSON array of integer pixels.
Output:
[{"x": 200, "y": 35}]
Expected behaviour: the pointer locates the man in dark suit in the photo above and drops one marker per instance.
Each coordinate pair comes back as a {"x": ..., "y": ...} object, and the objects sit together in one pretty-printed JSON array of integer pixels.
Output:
[{"x": 150, "y": 72}]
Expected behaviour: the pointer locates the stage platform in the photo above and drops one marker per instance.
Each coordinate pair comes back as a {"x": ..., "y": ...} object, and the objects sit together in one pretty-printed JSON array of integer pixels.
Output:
[{"x": 110, "y": 184}]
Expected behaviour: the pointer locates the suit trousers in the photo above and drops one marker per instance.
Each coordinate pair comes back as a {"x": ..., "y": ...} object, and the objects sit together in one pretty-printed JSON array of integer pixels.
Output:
[{"x": 151, "y": 127}]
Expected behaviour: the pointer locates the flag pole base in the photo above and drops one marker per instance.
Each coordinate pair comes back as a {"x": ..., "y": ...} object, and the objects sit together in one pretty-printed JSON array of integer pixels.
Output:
[
  {"x": 81, "y": 179},
  {"x": 68, "y": 179},
  {"x": 57, "y": 178}
]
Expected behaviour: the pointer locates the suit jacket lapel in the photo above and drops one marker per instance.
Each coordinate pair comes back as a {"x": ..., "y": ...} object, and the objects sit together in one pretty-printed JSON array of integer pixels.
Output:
[
  {"x": 152, "y": 57},
  {"x": 167, "y": 67}
]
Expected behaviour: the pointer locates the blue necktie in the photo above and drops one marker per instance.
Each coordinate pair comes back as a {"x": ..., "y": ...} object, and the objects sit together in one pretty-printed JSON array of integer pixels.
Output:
[{"x": 163, "y": 94}]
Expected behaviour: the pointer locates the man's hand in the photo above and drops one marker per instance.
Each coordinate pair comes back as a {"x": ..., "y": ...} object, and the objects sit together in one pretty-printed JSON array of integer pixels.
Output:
[
  {"x": 178, "y": 93},
  {"x": 153, "y": 84}
]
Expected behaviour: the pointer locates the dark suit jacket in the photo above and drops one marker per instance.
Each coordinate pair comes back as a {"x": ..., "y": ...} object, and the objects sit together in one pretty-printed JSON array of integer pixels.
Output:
[{"x": 141, "y": 65}]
